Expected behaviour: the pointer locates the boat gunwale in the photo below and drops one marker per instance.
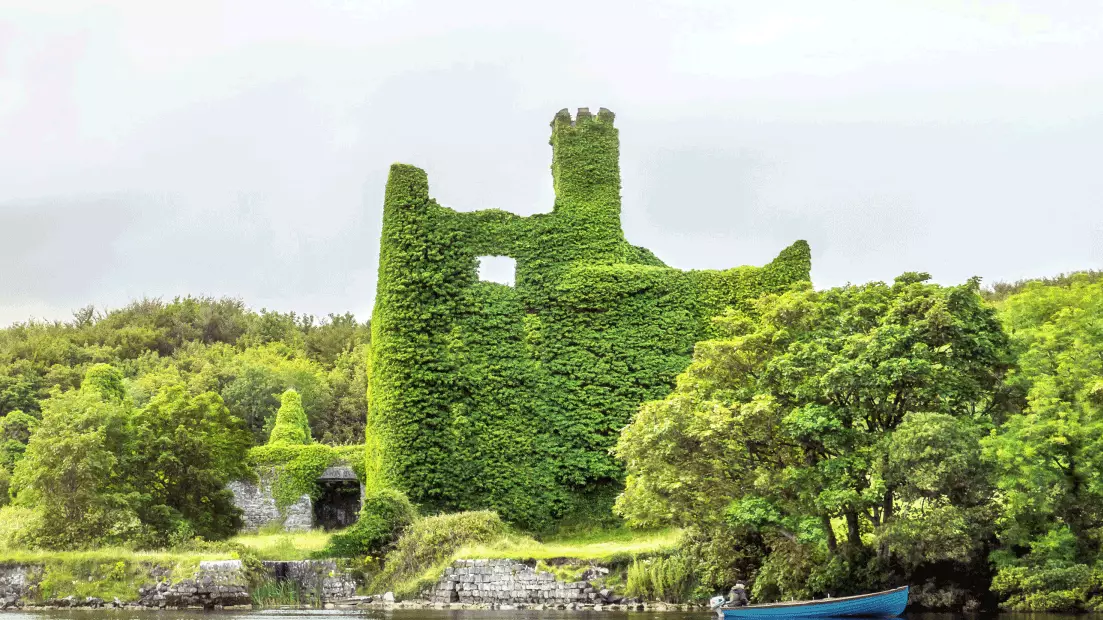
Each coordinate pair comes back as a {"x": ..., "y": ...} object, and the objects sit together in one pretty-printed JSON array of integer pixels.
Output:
[{"x": 822, "y": 601}]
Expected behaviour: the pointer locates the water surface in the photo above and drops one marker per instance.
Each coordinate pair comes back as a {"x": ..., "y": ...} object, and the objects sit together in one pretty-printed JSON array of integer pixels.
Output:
[{"x": 442, "y": 614}]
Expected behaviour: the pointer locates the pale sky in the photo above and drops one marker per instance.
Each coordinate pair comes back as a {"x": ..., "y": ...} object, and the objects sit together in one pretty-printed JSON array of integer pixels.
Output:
[{"x": 241, "y": 148}]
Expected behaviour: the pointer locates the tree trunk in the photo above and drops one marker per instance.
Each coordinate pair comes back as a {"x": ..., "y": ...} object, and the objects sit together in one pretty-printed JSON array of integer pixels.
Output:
[
  {"x": 886, "y": 516},
  {"x": 832, "y": 543},
  {"x": 853, "y": 530}
]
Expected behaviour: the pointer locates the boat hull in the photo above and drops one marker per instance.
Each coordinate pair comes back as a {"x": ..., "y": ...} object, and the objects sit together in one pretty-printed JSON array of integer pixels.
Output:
[{"x": 878, "y": 605}]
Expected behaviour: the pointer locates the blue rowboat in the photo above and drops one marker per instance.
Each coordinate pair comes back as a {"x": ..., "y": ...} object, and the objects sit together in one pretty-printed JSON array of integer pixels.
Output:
[{"x": 877, "y": 605}]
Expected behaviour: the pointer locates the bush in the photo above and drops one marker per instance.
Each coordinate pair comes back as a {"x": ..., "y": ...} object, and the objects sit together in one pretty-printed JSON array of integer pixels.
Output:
[
  {"x": 292, "y": 426},
  {"x": 668, "y": 579},
  {"x": 18, "y": 527},
  {"x": 429, "y": 544},
  {"x": 385, "y": 514}
]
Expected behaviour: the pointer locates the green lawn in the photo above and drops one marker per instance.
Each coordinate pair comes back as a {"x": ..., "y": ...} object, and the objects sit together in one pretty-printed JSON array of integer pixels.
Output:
[
  {"x": 599, "y": 546},
  {"x": 109, "y": 554},
  {"x": 284, "y": 545}
]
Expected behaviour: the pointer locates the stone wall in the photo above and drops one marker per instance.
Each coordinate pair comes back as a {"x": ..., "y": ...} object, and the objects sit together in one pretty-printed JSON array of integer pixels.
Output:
[
  {"x": 16, "y": 581},
  {"x": 258, "y": 506},
  {"x": 507, "y": 582},
  {"x": 319, "y": 580},
  {"x": 219, "y": 584}
]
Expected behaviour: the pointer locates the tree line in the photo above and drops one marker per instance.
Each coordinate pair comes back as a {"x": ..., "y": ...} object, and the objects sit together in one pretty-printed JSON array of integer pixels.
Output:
[
  {"x": 840, "y": 441},
  {"x": 125, "y": 426}
]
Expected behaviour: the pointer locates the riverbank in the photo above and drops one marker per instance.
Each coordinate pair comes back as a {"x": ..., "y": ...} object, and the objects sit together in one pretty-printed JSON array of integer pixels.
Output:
[{"x": 274, "y": 570}]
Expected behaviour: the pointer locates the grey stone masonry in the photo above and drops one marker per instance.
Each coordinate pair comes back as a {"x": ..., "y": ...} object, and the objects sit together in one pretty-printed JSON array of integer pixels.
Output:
[
  {"x": 317, "y": 580},
  {"x": 258, "y": 506},
  {"x": 506, "y": 582},
  {"x": 218, "y": 584}
]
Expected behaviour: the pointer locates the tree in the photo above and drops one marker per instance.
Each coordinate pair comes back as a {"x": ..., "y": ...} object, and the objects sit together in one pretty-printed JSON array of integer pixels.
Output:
[
  {"x": 343, "y": 422},
  {"x": 183, "y": 450},
  {"x": 1050, "y": 456},
  {"x": 787, "y": 424},
  {"x": 71, "y": 469},
  {"x": 16, "y": 429},
  {"x": 100, "y": 471},
  {"x": 261, "y": 374}
]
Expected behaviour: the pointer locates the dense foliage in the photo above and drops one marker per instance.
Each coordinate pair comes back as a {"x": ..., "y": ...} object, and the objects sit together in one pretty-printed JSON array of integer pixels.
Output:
[
  {"x": 99, "y": 470},
  {"x": 126, "y": 426},
  {"x": 872, "y": 435},
  {"x": 1048, "y": 459},
  {"x": 247, "y": 358},
  {"x": 383, "y": 517},
  {"x": 490, "y": 396}
]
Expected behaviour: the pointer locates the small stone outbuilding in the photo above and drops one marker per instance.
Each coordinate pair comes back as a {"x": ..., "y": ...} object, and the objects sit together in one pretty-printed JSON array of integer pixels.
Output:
[{"x": 337, "y": 506}]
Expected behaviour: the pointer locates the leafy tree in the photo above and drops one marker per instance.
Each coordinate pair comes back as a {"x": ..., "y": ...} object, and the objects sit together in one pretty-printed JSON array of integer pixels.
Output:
[
  {"x": 71, "y": 468},
  {"x": 343, "y": 422},
  {"x": 16, "y": 429},
  {"x": 334, "y": 337},
  {"x": 261, "y": 374},
  {"x": 183, "y": 450},
  {"x": 98, "y": 470},
  {"x": 787, "y": 424},
  {"x": 1049, "y": 456}
]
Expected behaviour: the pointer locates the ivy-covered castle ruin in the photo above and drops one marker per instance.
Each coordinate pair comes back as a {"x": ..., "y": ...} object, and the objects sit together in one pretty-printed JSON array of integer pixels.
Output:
[{"x": 484, "y": 395}]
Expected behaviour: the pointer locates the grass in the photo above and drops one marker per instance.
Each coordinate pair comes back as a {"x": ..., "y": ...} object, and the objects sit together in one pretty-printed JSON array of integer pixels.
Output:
[
  {"x": 117, "y": 571},
  {"x": 105, "y": 573},
  {"x": 108, "y": 554},
  {"x": 602, "y": 546},
  {"x": 566, "y": 556},
  {"x": 284, "y": 545}
]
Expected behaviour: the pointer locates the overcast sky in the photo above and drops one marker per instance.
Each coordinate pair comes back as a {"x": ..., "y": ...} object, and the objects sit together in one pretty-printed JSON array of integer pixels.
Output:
[{"x": 241, "y": 148}]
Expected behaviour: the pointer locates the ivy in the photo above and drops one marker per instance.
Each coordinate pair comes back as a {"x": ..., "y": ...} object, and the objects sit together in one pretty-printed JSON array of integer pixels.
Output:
[
  {"x": 292, "y": 461},
  {"x": 488, "y": 396}
]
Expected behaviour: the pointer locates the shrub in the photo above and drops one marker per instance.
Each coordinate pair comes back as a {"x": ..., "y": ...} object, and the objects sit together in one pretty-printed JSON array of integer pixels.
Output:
[
  {"x": 18, "y": 527},
  {"x": 292, "y": 425},
  {"x": 385, "y": 514},
  {"x": 668, "y": 578},
  {"x": 429, "y": 544}
]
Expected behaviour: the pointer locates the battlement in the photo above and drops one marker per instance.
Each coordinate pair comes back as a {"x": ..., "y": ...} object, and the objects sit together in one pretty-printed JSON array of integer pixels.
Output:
[
  {"x": 582, "y": 117},
  {"x": 585, "y": 167}
]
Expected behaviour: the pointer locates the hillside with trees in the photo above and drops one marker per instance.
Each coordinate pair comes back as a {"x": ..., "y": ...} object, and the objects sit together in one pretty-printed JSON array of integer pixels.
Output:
[{"x": 125, "y": 426}]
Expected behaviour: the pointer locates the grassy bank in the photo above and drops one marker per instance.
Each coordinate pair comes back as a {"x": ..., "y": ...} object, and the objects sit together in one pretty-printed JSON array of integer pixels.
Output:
[
  {"x": 434, "y": 543},
  {"x": 119, "y": 572},
  {"x": 104, "y": 573},
  {"x": 284, "y": 545},
  {"x": 599, "y": 547},
  {"x": 111, "y": 572}
]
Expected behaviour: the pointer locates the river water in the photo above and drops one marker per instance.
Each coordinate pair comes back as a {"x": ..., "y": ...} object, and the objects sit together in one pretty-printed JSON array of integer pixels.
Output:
[{"x": 434, "y": 614}]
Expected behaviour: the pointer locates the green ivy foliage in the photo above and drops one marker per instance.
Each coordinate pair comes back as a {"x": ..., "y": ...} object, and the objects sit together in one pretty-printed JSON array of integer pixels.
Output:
[
  {"x": 291, "y": 426},
  {"x": 292, "y": 460},
  {"x": 383, "y": 517},
  {"x": 510, "y": 398}
]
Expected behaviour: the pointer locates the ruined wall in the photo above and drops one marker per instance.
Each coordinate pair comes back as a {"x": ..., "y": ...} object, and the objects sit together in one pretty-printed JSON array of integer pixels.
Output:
[
  {"x": 506, "y": 582},
  {"x": 258, "y": 506},
  {"x": 490, "y": 396},
  {"x": 218, "y": 584}
]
